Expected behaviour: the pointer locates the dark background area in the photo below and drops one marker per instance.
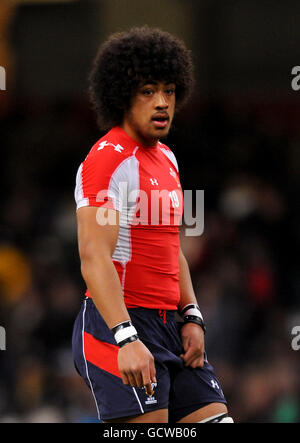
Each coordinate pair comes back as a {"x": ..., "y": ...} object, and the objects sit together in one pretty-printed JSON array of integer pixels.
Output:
[{"x": 238, "y": 140}]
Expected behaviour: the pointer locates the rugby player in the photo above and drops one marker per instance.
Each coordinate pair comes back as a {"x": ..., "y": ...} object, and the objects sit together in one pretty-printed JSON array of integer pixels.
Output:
[{"x": 140, "y": 364}]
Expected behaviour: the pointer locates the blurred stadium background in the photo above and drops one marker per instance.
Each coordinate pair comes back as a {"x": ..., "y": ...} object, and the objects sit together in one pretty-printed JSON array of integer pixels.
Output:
[{"x": 239, "y": 140}]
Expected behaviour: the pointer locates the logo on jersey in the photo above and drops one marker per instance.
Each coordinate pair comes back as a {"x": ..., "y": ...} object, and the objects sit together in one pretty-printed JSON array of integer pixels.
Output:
[
  {"x": 154, "y": 181},
  {"x": 151, "y": 399},
  {"x": 117, "y": 147}
]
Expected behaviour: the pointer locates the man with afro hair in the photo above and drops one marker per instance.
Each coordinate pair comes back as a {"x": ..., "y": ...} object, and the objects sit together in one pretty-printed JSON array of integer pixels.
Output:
[{"x": 139, "y": 362}]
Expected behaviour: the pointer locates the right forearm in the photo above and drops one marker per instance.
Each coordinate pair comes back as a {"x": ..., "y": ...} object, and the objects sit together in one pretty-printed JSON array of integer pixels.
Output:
[
  {"x": 105, "y": 288},
  {"x": 135, "y": 362}
]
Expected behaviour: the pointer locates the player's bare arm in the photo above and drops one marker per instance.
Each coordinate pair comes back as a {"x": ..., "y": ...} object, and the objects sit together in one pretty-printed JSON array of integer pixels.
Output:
[
  {"x": 192, "y": 334},
  {"x": 96, "y": 246}
]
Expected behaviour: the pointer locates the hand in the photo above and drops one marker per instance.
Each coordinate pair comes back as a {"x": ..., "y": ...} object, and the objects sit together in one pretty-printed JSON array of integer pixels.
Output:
[
  {"x": 136, "y": 365},
  {"x": 193, "y": 344}
]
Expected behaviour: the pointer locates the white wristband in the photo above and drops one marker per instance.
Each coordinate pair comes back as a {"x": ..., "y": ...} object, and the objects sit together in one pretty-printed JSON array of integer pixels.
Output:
[
  {"x": 125, "y": 333},
  {"x": 193, "y": 311}
]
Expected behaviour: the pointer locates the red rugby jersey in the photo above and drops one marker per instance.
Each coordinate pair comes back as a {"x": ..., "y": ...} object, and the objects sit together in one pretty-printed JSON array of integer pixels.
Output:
[{"x": 143, "y": 184}]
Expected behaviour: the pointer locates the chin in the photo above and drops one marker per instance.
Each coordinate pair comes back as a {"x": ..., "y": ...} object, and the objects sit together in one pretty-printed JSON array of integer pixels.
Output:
[{"x": 163, "y": 133}]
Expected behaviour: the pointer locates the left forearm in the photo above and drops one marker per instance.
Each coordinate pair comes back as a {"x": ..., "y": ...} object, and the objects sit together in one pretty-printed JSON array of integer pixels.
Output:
[
  {"x": 191, "y": 334},
  {"x": 187, "y": 294}
]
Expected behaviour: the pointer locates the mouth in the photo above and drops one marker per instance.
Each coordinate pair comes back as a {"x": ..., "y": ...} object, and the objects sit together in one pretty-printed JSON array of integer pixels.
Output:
[{"x": 160, "y": 120}]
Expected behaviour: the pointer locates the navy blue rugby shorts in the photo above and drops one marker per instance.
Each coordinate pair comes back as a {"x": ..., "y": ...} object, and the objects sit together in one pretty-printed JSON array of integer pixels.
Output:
[{"x": 180, "y": 389}]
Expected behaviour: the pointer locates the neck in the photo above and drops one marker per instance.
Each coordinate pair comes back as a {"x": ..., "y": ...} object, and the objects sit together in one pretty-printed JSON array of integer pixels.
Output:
[{"x": 151, "y": 142}]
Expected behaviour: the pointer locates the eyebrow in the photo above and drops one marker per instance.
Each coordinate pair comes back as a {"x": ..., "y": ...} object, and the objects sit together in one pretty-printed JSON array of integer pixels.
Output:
[{"x": 154, "y": 82}]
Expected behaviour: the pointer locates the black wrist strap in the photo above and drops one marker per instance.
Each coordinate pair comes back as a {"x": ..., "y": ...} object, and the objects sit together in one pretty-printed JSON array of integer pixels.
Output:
[
  {"x": 123, "y": 325},
  {"x": 196, "y": 320},
  {"x": 128, "y": 340},
  {"x": 128, "y": 335}
]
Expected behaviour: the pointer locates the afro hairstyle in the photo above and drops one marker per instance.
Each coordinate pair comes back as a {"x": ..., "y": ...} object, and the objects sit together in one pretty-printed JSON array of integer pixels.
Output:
[{"x": 127, "y": 60}]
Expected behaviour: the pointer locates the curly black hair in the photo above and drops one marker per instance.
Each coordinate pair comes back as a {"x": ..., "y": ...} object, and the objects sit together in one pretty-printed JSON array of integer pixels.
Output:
[{"x": 127, "y": 60}]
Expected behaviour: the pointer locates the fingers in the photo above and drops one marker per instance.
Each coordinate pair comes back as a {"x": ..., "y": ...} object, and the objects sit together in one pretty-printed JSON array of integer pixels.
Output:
[
  {"x": 132, "y": 379},
  {"x": 149, "y": 375},
  {"x": 198, "y": 363},
  {"x": 140, "y": 379},
  {"x": 125, "y": 379},
  {"x": 153, "y": 372},
  {"x": 190, "y": 355},
  {"x": 141, "y": 376},
  {"x": 193, "y": 362},
  {"x": 193, "y": 357},
  {"x": 148, "y": 388},
  {"x": 146, "y": 379}
]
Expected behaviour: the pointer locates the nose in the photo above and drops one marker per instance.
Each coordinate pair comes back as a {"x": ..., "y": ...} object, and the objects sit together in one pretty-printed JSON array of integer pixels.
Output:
[{"x": 161, "y": 102}]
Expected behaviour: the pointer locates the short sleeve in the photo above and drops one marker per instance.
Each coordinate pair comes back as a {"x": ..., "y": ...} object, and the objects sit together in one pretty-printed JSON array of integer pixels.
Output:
[{"x": 97, "y": 181}]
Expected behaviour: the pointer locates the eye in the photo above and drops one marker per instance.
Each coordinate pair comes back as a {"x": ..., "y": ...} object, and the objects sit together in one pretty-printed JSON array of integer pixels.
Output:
[
  {"x": 147, "y": 92},
  {"x": 170, "y": 91}
]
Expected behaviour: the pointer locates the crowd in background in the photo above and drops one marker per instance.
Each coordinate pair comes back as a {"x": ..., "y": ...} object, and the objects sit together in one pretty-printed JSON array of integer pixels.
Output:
[{"x": 245, "y": 266}]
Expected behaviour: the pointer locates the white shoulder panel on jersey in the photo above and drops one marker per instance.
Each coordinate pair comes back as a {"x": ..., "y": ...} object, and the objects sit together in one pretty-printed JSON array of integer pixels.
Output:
[
  {"x": 123, "y": 190},
  {"x": 170, "y": 156},
  {"x": 78, "y": 193},
  {"x": 124, "y": 184}
]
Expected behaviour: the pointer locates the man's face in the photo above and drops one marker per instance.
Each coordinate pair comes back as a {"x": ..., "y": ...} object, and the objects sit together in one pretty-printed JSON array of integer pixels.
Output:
[{"x": 151, "y": 112}]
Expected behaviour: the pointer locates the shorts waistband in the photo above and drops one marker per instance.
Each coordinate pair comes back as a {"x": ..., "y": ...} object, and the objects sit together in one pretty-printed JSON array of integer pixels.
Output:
[{"x": 165, "y": 314}]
